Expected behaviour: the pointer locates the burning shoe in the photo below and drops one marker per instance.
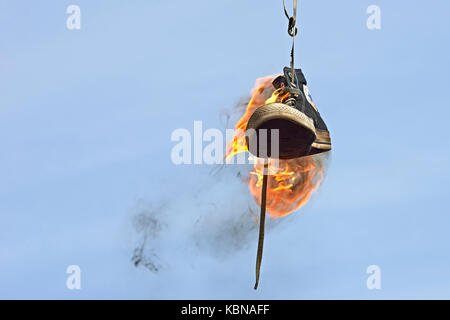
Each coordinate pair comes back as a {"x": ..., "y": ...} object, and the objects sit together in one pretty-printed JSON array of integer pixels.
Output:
[{"x": 302, "y": 131}]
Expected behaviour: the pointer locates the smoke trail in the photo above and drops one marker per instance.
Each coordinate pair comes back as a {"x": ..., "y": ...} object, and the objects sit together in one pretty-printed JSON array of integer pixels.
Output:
[{"x": 218, "y": 218}]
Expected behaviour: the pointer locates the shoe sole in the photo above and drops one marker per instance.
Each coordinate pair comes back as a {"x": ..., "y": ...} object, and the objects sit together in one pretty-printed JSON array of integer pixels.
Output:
[{"x": 297, "y": 131}]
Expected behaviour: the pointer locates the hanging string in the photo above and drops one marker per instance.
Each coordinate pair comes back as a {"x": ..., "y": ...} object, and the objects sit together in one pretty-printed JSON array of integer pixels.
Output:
[{"x": 292, "y": 31}]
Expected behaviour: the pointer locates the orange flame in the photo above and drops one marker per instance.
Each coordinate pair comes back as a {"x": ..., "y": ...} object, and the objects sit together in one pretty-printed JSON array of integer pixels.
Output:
[{"x": 291, "y": 182}]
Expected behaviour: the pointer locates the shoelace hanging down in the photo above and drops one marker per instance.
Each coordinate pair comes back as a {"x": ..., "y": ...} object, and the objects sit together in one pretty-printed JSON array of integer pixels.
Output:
[
  {"x": 262, "y": 221},
  {"x": 292, "y": 31}
]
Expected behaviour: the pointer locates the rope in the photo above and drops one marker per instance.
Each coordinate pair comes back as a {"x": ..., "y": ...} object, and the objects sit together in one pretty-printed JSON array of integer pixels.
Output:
[
  {"x": 262, "y": 221},
  {"x": 292, "y": 31}
]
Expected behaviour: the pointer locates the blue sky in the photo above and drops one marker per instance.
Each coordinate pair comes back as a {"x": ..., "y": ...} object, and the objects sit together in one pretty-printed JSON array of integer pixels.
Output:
[{"x": 85, "y": 123}]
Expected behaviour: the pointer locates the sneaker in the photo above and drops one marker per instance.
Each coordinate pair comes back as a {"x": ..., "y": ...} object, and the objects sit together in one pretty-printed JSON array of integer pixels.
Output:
[{"x": 302, "y": 131}]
